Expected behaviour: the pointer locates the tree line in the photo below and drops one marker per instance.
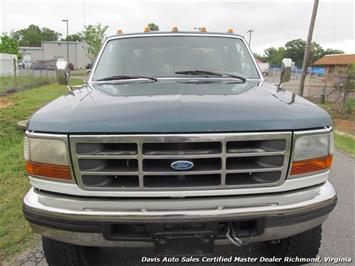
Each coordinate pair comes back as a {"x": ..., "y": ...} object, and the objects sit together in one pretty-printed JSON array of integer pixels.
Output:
[
  {"x": 294, "y": 49},
  {"x": 93, "y": 35},
  {"x": 33, "y": 36}
]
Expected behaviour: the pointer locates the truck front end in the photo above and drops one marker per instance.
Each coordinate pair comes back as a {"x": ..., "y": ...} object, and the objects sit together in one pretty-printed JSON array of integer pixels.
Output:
[{"x": 178, "y": 145}]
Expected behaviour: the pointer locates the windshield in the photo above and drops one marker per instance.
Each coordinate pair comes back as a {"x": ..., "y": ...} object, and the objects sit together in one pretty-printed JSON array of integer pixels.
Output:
[{"x": 163, "y": 56}]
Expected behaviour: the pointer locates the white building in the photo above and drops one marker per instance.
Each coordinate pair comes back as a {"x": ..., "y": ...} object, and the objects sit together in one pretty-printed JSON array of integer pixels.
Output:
[
  {"x": 58, "y": 49},
  {"x": 8, "y": 64}
]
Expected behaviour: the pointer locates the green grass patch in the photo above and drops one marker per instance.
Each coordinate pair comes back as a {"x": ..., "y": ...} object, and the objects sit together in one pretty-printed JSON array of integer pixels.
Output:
[
  {"x": 23, "y": 82},
  {"x": 14, "y": 230},
  {"x": 345, "y": 143}
]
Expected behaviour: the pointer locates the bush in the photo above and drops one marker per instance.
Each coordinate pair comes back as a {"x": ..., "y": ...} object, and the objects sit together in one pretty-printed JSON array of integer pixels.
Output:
[
  {"x": 349, "y": 105},
  {"x": 9, "y": 85}
]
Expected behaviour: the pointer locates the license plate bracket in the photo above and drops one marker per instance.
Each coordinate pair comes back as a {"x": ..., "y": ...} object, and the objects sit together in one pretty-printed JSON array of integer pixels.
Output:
[{"x": 179, "y": 244}]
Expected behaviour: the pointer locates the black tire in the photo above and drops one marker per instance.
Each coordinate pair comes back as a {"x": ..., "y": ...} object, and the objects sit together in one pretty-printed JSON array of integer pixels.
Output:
[
  {"x": 304, "y": 245},
  {"x": 60, "y": 254}
]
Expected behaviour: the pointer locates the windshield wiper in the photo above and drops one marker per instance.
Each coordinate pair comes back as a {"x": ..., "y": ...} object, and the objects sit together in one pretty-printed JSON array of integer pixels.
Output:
[
  {"x": 120, "y": 77},
  {"x": 211, "y": 73}
]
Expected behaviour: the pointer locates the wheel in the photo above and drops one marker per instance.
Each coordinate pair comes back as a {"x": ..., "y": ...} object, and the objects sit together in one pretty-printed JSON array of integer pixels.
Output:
[
  {"x": 59, "y": 253},
  {"x": 304, "y": 245}
]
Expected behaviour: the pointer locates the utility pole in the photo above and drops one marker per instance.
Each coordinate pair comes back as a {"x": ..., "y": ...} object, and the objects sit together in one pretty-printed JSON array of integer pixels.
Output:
[
  {"x": 250, "y": 31},
  {"x": 308, "y": 47},
  {"x": 67, "y": 22}
]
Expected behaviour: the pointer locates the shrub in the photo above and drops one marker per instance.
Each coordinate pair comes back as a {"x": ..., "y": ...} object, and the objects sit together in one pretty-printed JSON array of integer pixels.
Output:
[
  {"x": 349, "y": 105},
  {"x": 9, "y": 85}
]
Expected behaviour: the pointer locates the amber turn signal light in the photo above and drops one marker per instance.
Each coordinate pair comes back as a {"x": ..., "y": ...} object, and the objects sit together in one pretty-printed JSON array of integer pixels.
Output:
[
  {"x": 60, "y": 172},
  {"x": 311, "y": 165}
]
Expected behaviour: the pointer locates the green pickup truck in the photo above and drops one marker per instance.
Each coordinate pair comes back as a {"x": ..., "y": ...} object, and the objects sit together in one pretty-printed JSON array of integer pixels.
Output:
[{"x": 177, "y": 143}]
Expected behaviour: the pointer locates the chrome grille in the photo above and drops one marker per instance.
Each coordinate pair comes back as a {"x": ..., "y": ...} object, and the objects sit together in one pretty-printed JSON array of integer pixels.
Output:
[{"x": 143, "y": 162}]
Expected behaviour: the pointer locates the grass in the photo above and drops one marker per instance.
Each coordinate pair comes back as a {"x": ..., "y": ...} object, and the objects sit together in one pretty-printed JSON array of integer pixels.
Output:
[
  {"x": 345, "y": 143},
  {"x": 14, "y": 230},
  {"x": 23, "y": 82}
]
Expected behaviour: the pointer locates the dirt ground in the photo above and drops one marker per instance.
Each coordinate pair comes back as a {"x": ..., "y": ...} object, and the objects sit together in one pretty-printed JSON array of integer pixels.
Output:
[
  {"x": 4, "y": 103},
  {"x": 347, "y": 126}
]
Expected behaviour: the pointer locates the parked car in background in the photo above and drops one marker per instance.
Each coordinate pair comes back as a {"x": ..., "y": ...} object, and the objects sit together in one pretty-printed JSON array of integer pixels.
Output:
[{"x": 264, "y": 68}]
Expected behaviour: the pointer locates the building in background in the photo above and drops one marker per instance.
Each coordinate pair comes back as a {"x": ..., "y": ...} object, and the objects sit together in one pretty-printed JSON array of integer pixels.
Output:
[
  {"x": 50, "y": 50},
  {"x": 333, "y": 62},
  {"x": 8, "y": 64}
]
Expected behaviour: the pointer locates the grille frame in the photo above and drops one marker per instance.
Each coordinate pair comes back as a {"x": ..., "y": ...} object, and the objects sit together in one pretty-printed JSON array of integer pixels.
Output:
[{"x": 223, "y": 138}]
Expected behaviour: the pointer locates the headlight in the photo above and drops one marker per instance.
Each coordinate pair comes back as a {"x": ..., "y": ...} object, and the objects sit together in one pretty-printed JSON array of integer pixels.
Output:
[
  {"x": 312, "y": 153},
  {"x": 46, "y": 157}
]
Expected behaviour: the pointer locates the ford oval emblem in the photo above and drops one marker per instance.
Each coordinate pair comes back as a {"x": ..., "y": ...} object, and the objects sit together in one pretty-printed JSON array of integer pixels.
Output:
[{"x": 182, "y": 165}]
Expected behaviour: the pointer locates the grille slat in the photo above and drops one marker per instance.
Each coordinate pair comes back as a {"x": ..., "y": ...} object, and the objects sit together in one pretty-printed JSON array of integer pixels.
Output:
[
  {"x": 254, "y": 170},
  {"x": 108, "y": 173},
  {"x": 179, "y": 156},
  {"x": 254, "y": 154},
  {"x": 111, "y": 156},
  {"x": 182, "y": 180},
  {"x": 187, "y": 149},
  {"x": 167, "y": 173},
  {"x": 144, "y": 162}
]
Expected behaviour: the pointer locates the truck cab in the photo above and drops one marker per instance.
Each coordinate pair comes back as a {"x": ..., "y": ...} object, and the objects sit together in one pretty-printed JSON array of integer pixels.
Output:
[{"x": 177, "y": 143}]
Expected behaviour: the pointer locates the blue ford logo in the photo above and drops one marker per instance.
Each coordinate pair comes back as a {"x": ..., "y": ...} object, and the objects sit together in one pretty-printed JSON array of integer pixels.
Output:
[{"x": 182, "y": 165}]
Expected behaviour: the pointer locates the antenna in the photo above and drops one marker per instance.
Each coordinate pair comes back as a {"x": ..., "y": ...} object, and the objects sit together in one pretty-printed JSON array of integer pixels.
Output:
[
  {"x": 250, "y": 32},
  {"x": 84, "y": 12}
]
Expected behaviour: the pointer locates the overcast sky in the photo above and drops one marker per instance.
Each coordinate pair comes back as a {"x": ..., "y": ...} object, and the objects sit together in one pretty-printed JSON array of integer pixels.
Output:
[{"x": 273, "y": 22}]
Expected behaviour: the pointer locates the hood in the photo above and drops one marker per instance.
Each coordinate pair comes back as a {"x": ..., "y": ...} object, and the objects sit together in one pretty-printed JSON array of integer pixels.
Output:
[{"x": 178, "y": 106}]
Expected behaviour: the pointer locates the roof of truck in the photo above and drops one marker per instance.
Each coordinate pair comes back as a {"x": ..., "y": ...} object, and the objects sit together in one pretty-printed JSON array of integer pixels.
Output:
[{"x": 174, "y": 33}]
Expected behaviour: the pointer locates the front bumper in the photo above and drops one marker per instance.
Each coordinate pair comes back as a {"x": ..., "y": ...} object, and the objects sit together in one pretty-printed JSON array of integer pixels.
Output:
[{"x": 82, "y": 220}]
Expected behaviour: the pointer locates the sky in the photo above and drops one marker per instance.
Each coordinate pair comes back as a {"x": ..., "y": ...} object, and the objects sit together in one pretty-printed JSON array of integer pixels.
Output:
[{"x": 274, "y": 22}]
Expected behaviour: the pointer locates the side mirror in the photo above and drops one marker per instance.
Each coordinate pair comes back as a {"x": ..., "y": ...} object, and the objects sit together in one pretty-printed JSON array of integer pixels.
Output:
[
  {"x": 286, "y": 67},
  {"x": 87, "y": 72},
  {"x": 62, "y": 72}
]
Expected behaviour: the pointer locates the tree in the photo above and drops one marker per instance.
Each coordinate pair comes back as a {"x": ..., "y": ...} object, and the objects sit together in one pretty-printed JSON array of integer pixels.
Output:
[
  {"x": 344, "y": 87},
  {"x": 9, "y": 45},
  {"x": 28, "y": 37},
  {"x": 295, "y": 50},
  {"x": 77, "y": 37},
  {"x": 93, "y": 36},
  {"x": 274, "y": 56},
  {"x": 259, "y": 57},
  {"x": 331, "y": 51},
  {"x": 316, "y": 52},
  {"x": 34, "y": 36},
  {"x": 49, "y": 35},
  {"x": 153, "y": 27}
]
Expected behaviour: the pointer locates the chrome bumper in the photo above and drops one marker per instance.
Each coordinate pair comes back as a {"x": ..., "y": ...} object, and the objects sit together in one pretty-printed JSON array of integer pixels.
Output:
[{"x": 72, "y": 219}]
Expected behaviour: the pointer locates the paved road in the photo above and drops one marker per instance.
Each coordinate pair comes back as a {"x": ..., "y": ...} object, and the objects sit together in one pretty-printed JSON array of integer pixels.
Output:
[{"x": 338, "y": 231}]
